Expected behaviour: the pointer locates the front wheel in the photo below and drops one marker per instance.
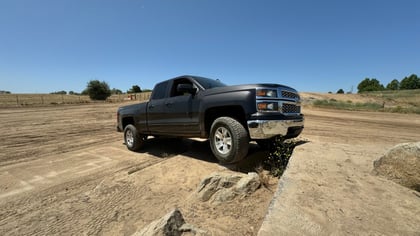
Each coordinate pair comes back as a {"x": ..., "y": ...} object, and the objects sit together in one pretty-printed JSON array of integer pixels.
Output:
[
  {"x": 133, "y": 140},
  {"x": 229, "y": 140}
]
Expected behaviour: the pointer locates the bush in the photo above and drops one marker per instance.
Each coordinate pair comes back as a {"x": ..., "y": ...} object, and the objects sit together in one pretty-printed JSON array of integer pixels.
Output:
[
  {"x": 280, "y": 152},
  {"x": 98, "y": 90}
]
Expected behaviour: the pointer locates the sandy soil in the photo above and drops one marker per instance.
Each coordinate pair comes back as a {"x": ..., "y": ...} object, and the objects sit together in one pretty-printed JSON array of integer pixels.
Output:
[{"x": 64, "y": 170}]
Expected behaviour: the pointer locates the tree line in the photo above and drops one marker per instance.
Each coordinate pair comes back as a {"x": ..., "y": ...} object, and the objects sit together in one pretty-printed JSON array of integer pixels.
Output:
[
  {"x": 408, "y": 82},
  {"x": 96, "y": 90},
  {"x": 100, "y": 90}
]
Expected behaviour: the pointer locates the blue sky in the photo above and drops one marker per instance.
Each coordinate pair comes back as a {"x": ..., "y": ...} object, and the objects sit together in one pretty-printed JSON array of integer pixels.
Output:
[{"x": 321, "y": 46}]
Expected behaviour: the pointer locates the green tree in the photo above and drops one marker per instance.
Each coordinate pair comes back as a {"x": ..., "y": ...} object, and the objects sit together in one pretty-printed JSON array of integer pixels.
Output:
[
  {"x": 98, "y": 90},
  {"x": 370, "y": 85},
  {"x": 340, "y": 91},
  {"x": 411, "y": 82},
  {"x": 134, "y": 89},
  {"x": 74, "y": 93},
  {"x": 393, "y": 85},
  {"x": 60, "y": 92},
  {"x": 116, "y": 91}
]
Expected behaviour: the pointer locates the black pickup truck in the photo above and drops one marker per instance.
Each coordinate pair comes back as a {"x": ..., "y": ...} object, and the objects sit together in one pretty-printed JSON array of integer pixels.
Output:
[{"x": 230, "y": 116}]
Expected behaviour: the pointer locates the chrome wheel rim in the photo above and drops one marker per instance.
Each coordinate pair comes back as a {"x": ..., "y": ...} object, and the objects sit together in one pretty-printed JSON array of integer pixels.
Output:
[
  {"x": 129, "y": 138},
  {"x": 223, "y": 140}
]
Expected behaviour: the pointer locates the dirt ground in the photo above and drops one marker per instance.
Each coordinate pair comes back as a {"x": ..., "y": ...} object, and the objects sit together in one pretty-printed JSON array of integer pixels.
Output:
[
  {"x": 329, "y": 188},
  {"x": 64, "y": 170}
]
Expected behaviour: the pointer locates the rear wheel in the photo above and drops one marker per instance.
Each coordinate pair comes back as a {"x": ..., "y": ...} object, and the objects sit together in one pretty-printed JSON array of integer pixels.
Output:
[
  {"x": 133, "y": 140},
  {"x": 229, "y": 140}
]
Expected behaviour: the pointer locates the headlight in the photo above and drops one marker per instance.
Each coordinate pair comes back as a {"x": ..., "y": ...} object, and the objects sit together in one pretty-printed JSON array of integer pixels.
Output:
[
  {"x": 271, "y": 93},
  {"x": 268, "y": 106}
]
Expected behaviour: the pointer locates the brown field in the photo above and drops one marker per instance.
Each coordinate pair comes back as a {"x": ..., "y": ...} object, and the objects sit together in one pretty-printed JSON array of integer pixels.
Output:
[{"x": 64, "y": 170}]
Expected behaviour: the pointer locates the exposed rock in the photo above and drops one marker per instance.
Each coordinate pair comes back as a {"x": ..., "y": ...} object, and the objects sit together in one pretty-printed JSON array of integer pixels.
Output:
[
  {"x": 222, "y": 187},
  {"x": 172, "y": 224},
  {"x": 248, "y": 184},
  {"x": 401, "y": 164},
  {"x": 188, "y": 229},
  {"x": 167, "y": 225},
  {"x": 223, "y": 195}
]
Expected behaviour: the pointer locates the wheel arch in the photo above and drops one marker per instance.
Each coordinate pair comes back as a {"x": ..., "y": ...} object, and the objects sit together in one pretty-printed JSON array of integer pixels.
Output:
[
  {"x": 127, "y": 121},
  {"x": 236, "y": 112}
]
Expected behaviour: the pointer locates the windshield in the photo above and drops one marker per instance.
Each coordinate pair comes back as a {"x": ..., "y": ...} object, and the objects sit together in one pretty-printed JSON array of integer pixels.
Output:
[{"x": 209, "y": 83}]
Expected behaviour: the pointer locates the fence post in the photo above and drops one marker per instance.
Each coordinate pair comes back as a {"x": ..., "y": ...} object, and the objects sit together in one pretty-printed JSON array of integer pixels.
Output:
[{"x": 17, "y": 100}]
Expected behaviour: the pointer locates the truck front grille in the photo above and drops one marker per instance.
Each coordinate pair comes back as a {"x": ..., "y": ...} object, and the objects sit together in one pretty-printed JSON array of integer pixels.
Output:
[
  {"x": 288, "y": 94},
  {"x": 290, "y": 108}
]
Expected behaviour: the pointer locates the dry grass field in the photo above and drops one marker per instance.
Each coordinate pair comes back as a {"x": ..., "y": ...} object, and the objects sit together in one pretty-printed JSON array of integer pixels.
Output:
[{"x": 401, "y": 101}]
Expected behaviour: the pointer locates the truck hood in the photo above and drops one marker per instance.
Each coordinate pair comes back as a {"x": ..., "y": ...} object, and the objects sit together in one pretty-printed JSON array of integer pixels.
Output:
[{"x": 232, "y": 88}]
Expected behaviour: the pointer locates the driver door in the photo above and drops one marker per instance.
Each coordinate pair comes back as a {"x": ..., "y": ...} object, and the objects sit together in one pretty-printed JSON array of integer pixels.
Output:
[{"x": 181, "y": 110}]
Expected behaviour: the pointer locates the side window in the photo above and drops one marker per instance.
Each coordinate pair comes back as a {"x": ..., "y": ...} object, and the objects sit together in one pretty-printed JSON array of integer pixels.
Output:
[
  {"x": 174, "y": 91},
  {"x": 159, "y": 91}
]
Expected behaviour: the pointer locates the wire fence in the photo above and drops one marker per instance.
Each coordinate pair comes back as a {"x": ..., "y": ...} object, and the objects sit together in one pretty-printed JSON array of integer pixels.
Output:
[{"x": 13, "y": 100}]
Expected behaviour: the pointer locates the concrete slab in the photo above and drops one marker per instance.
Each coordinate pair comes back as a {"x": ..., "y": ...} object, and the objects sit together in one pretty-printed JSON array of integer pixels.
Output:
[{"x": 328, "y": 189}]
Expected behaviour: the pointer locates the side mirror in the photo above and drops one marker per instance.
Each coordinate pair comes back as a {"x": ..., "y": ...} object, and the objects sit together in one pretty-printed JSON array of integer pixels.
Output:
[{"x": 186, "y": 88}]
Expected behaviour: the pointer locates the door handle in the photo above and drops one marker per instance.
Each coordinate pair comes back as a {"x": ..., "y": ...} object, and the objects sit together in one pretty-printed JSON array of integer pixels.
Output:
[
  {"x": 168, "y": 104},
  {"x": 151, "y": 106}
]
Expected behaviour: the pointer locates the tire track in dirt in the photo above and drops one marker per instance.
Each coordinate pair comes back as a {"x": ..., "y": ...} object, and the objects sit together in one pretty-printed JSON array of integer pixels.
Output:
[
  {"x": 138, "y": 188},
  {"x": 81, "y": 206},
  {"x": 28, "y": 133}
]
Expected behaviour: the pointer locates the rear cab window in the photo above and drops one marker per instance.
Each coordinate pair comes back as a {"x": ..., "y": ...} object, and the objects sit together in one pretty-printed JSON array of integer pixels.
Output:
[{"x": 159, "y": 91}]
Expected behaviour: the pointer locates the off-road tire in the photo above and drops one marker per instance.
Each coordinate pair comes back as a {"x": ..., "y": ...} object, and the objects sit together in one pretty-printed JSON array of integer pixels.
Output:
[
  {"x": 229, "y": 140},
  {"x": 133, "y": 140}
]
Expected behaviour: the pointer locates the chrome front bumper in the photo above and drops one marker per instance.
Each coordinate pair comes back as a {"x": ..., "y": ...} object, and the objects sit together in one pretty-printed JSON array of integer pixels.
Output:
[{"x": 265, "y": 129}]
